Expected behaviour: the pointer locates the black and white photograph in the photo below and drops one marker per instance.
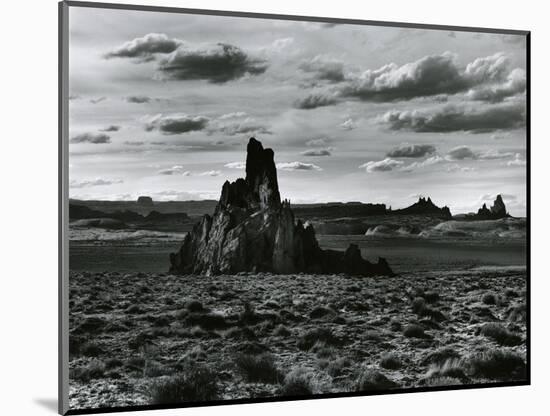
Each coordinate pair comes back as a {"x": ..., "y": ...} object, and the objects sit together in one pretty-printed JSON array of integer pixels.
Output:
[{"x": 267, "y": 208}]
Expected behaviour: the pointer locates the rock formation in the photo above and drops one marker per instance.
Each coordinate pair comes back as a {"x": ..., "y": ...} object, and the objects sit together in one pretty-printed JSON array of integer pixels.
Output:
[
  {"x": 145, "y": 200},
  {"x": 252, "y": 230},
  {"x": 497, "y": 211},
  {"x": 425, "y": 207}
]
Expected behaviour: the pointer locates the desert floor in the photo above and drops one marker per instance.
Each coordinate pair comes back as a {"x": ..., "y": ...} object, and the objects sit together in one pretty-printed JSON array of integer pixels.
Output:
[{"x": 147, "y": 338}]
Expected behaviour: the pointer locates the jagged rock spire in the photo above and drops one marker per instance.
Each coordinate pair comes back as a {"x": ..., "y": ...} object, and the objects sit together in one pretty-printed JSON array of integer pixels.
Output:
[
  {"x": 251, "y": 230},
  {"x": 261, "y": 174},
  {"x": 497, "y": 211},
  {"x": 498, "y": 207},
  {"x": 259, "y": 190}
]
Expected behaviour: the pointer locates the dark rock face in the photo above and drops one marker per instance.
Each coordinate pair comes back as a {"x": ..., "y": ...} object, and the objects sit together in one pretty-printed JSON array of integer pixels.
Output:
[
  {"x": 145, "y": 200},
  {"x": 425, "y": 207},
  {"x": 497, "y": 211},
  {"x": 498, "y": 208},
  {"x": 252, "y": 230}
]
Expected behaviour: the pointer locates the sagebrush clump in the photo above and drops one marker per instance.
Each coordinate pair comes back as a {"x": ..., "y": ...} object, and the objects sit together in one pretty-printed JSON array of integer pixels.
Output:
[
  {"x": 195, "y": 383},
  {"x": 258, "y": 368}
]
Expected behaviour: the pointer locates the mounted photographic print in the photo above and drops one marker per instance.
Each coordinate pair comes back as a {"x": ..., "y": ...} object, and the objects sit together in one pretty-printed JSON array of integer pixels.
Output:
[{"x": 262, "y": 207}]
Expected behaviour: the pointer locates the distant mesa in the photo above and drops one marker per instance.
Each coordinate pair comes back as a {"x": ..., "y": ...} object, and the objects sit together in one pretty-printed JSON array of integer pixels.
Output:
[
  {"x": 252, "y": 230},
  {"x": 83, "y": 216},
  {"x": 82, "y": 212},
  {"x": 424, "y": 206},
  {"x": 145, "y": 200}
]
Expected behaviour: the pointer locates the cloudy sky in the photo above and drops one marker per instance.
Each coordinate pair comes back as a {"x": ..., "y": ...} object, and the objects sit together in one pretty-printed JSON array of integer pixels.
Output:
[{"x": 163, "y": 105}]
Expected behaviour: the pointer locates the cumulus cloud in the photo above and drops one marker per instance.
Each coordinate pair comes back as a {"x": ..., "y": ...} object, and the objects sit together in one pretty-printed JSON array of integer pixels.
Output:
[
  {"x": 464, "y": 152},
  {"x": 247, "y": 126},
  {"x": 144, "y": 48},
  {"x": 177, "y": 123},
  {"x": 460, "y": 153},
  {"x": 235, "y": 165},
  {"x": 297, "y": 166},
  {"x": 324, "y": 68},
  {"x": 93, "y": 182},
  {"x": 138, "y": 99},
  {"x": 210, "y": 173},
  {"x": 430, "y": 161},
  {"x": 180, "y": 60},
  {"x": 515, "y": 83},
  {"x": 111, "y": 128},
  {"x": 494, "y": 154},
  {"x": 313, "y": 101},
  {"x": 282, "y": 43},
  {"x": 237, "y": 114},
  {"x": 487, "y": 69},
  {"x": 322, "y": 141},
  {"x": 95, "y": 138},
  {"x": 175, "y": 170},
  {"x": 134, "y": 143},
  {"x": 317, "y": 152},
  {"x": 348, "y": 124},
  {"x": 217, "y": 64},
  {"x": 451, "y": 118},
  {"x": 384, "y": 165},
  {"x": 412, "y": 150},
  {"x": 431, "y": 75},
  {"x": 454, "y": 167},
  {"x": 436, "y": 75},
  {"x": 517, "y": 161}
]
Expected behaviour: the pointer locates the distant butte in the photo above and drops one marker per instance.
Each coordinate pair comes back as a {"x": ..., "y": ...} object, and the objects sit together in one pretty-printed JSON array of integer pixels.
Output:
[
  {"x": 425, "y": 207},
  {"x": 145, "y": 200},
  {"x": 252, "y": 230}
]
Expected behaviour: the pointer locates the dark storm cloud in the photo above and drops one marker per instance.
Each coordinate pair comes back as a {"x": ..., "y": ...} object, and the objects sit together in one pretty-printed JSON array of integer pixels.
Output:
[
  {"x": 95, "y": 138},
  {"x": 313, "y": 101},
  {"x": 317, "y": 152},
  {"x": 177, "y": 124},
  {"x": 218, "y": 64},
  {"x": 324, "y": 69},
  {"x": 452, "y": 118},
  {"x": 144, "y": 48},
  {"x": 111, "y": 128},
  {"x": 412, "y": 150},
  {"x": 138, "y": 99},
  {"x": 434, "y": 75}
]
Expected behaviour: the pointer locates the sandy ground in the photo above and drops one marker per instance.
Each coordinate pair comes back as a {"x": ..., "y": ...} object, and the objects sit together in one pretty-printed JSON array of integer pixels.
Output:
[{"x": 132, "y": 331}]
